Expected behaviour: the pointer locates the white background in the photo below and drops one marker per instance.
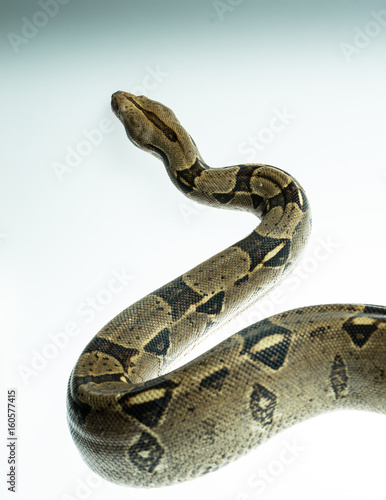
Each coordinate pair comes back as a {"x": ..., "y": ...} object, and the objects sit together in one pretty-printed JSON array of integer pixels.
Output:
[{"x": 225, "y": 68}]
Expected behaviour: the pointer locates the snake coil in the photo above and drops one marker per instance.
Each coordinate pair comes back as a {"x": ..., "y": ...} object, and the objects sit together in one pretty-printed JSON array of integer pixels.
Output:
[{"x": 137, "y": 423}]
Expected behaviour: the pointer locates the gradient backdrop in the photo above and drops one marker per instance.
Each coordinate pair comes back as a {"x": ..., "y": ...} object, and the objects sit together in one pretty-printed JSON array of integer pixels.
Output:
[{"x": 297, "y": 84}]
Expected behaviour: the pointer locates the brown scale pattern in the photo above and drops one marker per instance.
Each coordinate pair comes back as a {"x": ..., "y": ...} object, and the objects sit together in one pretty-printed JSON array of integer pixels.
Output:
[{"x": 137, "y": 423}]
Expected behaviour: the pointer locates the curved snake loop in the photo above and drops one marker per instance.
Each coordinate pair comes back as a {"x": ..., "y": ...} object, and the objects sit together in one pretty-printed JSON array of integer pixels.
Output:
[{"x": 137, "y": 423}]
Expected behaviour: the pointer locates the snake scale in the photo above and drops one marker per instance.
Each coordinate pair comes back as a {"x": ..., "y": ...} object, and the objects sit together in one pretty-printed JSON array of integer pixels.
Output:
[{"x": 138, "y": 423}]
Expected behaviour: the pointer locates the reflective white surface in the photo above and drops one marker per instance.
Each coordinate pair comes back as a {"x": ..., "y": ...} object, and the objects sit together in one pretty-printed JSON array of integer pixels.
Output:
[{"x": 89, "y": 224}]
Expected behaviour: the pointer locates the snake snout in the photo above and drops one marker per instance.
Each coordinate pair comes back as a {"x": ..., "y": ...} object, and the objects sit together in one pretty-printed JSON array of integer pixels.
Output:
[{"x": 114, "y": 103}]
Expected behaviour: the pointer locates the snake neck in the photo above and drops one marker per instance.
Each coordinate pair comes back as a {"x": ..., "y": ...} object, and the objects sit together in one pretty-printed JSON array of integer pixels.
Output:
[
  {"x": 260, "y": 189},
  {"x": 266, "y": 191}
]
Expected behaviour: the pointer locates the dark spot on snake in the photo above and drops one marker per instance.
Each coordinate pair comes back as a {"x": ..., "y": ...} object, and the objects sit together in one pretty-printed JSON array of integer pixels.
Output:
[
  {"x": 257, "y": 200},
  {"x": 186, "y": 178},
  {"x": 122, "y": 354},
  {"x": 242, "y": 280},
  {"x": 215, "y": 380},
  {"x": 281, "y": 257},
  {"x": 289, "y": 194},
  {"x": 359, "y": 333},
  {"x": 262, "y": 404},
  {"x": 207, "y": 432},
  {"x": 319, "y": 332},
  {"x": 376, "y": 310},
  {"x": 159, "y": 344},
  {"x": 243, "y": 178},
  {"x": 298, "y": 226},
  {"x": 146, "y": 453},
  {"x": 275, "y": 201},
  {"x": 213, "y": 305},
  {"x": 158, "y": 152},
  {"x": 258, "y": 247},
  {"x": 148, "y": 413},
  {"x": 179, "y": 296},
  {"x": 272, "y": 356},
  {"x": 339, "y": 377},
  {"x": 223, "y": 198}
]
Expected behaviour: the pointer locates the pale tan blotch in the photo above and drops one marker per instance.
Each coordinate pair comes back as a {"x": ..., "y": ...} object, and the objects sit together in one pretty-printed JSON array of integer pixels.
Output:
[
  {"x": 262, "y": 186},
  {"x": 267, "y": 342},
  {"x": 147, "y": 396},
  {"x": 228, "y": 266},
  {"x": 97, "y": 363},
  {"x": 300, "y": 196},
  {"x": 149, "y": 366},
  {"x": 270, "y": 226},
  {"x": 214, "y": 181},
  {"x": 277, "y": 178},
  {"x": 270, "y": 255},
  {"x": 133, "y": 331},
  {"x": 244, "y": 199},
  {"x": 363, "y": 320},
  {"x": 191, "y": 322},
  {"x": 101, "y": 395}
]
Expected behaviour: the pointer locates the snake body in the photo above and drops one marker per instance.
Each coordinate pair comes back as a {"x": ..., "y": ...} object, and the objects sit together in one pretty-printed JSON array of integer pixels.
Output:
[{"x": 136, "y": 422}]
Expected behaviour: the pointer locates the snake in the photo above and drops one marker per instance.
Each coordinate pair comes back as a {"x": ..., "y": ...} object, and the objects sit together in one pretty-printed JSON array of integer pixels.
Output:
[{"x": 139, "y": 422}]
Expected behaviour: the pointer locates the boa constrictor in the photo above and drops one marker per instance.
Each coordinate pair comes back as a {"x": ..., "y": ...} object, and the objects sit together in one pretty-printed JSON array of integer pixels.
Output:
[{"x": 137, "y": 423}]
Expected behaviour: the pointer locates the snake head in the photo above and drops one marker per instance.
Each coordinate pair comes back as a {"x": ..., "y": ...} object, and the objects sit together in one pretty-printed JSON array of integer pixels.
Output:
[{"x": 154, "y": 128}]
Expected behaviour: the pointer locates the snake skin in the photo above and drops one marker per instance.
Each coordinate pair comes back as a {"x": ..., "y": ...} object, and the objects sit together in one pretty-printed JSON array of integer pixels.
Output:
[{"x": 137, "y": 423}]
